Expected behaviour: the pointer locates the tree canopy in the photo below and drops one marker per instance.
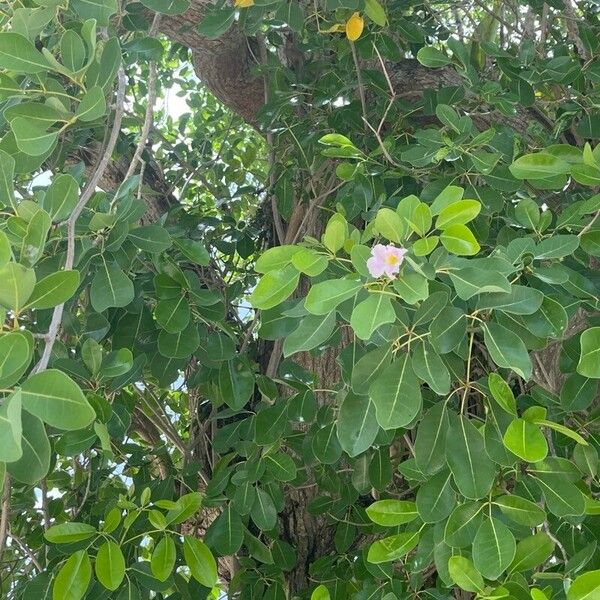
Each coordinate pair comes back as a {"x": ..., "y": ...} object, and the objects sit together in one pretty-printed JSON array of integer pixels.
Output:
[{"x": 299, "y": 300}]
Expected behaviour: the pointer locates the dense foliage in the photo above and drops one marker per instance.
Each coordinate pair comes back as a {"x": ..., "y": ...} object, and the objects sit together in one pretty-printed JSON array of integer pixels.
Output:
[{"x": 348, "y": 350}]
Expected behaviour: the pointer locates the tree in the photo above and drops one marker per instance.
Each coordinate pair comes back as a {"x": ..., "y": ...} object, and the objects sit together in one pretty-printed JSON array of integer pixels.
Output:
[{"x": 330, "y": 331}]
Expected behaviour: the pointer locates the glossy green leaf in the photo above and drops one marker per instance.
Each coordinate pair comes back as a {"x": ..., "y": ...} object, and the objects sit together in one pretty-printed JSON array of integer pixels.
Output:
[
  {"x": 73, "y": 578},
  {"x": 110, "y": 565},
  {"x": 526, "y": 440},
  {"x": 57, "y": 400},
  {"x": 390, "y": 513},
  {"x": 396, "y": 394},
  {"x": 200, "y": 560}
]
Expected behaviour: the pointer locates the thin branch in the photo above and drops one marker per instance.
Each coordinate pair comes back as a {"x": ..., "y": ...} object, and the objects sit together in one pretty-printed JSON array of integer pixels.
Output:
[
  {"x": 149, "y": 117},
  {"x": 26, "y": 550},
  {"x": 361, "y": 86},
  {"x": 4, "y": 517},
  {"x": 83, "y": 200}
]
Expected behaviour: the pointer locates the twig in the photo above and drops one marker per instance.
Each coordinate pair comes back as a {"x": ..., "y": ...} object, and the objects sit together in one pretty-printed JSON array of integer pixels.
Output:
[
  {"x": 4, "y": 517},
  {"x": 26, "y": 549},
  {"x": 83, "y": 200},
  {"x": 149, "y": 117},
  {"x": 590, "y": 224},
  {"x": 361, "y": 86}
]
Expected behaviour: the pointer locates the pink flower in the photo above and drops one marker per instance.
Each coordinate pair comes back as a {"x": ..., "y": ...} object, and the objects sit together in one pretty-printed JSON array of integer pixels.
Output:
[{"x": 385, "y": 260}]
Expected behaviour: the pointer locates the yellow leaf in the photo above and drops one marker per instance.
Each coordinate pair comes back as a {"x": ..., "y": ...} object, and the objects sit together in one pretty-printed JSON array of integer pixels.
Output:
[
  {"x": 244, "y": 3},
  {"x": 354, "y": 27}
]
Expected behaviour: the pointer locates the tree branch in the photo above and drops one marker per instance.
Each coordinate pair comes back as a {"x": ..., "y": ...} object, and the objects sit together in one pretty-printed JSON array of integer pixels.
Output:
[{"x": 72, "y": 220}]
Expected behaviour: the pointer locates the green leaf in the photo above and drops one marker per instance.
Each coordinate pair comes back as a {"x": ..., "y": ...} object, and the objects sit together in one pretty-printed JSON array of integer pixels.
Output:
[
  {"x": 193, "y": 250},
  {"x": 263, "y": 512},
  {"x": 163, "y": 558},
  {"x": 370, "y": 314},
  {"x": 7, "y": 174},
  {"x": 11, "y": 429},
  {"x": 458, "y": 239},
  {"x": 520, "y": 510},
  {"x": 216, "y": 22},
  {"x": 526, "y": 441},
  {"x": 69, "y": 533},
  {"x": 57, "y": 400},
  {"x": 110, "y": 565},
  {"x": 181, "y": 344},
  {"x": 226, "y": 533},
  {"x": 92, "y": 105},
  {"x": 274, "y": 287},
  {"x": 532, "y": 552},
  {"x": 463, "y": 523},
  {"x": 17, "y": 285},
  {"x": 320, "y": 593},
  {"x": 412, "y": 287},
  {"x": 35, "y": 460},
  {"x": 185, "y": 507},
  {"x": 73, "y": 578},
  {"x": 391, "y": 513},
  {"x": 430, "y": 445},
  {"x": 436, "y": 498},
  {"x": 111, "y": 288},
  {"x": 432, "y": 57},
  {"x": 30, "y": 138},
  {"x": 15, "y": 356},
  {"x": 460, "y": 212},
  {"x": 18, "y": 54},
  {"x": 448, "y": 329},
  {"x": 309, "y": 262},
  {"x": 236, "y": 383},
  {"x": 473, "y": 471},
  {"x": 562, "y": 429},
  {"x": 502, "y": 393},
  {"x": 507, "y": 349},
  {"x": 61, "y": 197},
  {"x": 72, "y": 50},
  {"x": 396, "y": 394},
  {"x": 420, "y": 220},
  {"x": 563, "y": 498},
  {"x": 173, "y": 315},
  {"x": 539, "y": 166},
  {"x": 471, "y": 281},
  {"x": 200, "y": 561},
  {"x": 357, "y": 425},
  {"x": 520, "y": 300},
  {"x": 368, "y": 367},
  {"x": 325, "y": 296},
  {"x": 150, "y": 238},
  {"x": 557, "y": 246},
  {"x": 312, "y": 331},
  {"x": 429, "y": 367},
  {"x": 336, "y": 233},
  {"x": 494, "y": 548},
  {"x": 585, "y": 587},
  {"x": 390, "y": 225},
  {"x": 589, "y": 358},
  {"x": 375, "y": 12},
  {"x": 53, "y": 290},
  {"x": 465, "y": 575},
  {"x": 392, "y": 548},
  {"x": 100, "y": 10}
]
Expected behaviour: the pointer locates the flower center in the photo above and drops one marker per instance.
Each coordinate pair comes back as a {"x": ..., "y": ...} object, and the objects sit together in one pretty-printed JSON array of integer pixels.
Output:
[{"x": 392, "y": 259}]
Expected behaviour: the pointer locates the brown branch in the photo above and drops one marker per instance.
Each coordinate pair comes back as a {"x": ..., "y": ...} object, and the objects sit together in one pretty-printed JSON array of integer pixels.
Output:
[
  {"x": 72, "y": 220},
  {"x": 4, "y": 517}
]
